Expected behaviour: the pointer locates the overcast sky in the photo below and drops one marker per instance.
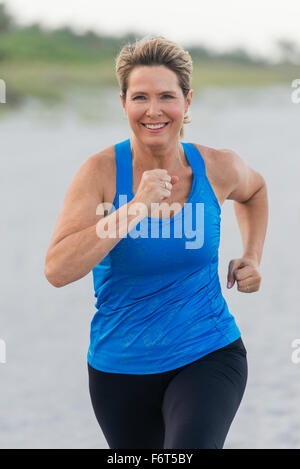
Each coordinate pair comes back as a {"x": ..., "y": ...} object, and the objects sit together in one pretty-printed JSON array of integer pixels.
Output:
[{"x": 222, "y": 24}]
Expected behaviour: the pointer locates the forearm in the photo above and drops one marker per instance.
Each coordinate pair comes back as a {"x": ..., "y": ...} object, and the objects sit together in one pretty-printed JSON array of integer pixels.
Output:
[
  {"x": 252, "y": 217},
  {"x": 77, "y": 254}
]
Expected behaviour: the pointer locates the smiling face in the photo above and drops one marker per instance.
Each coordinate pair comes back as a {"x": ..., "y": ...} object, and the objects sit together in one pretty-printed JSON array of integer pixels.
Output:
[{"x": 155, "y": 97}]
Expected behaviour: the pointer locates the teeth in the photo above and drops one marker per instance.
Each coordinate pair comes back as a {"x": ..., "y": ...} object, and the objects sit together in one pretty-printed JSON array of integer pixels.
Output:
[{"x": 155, "y": 126}]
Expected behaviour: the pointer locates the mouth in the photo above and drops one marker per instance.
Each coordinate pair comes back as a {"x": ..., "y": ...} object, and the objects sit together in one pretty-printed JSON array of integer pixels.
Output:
[{"x": 162, "y": 125}]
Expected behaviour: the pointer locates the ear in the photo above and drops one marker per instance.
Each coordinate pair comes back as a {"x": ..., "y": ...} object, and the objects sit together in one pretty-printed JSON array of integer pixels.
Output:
[
  {"x": 189, "y": 99},
  {"x": 122, "y": 101}
]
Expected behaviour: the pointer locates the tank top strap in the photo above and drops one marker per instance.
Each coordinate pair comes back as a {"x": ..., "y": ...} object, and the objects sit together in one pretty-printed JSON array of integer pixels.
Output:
[
  {"x": 124, "y": 167},
  {"x": 195, "y": 159},
  {"x": 198, "y": 167}
]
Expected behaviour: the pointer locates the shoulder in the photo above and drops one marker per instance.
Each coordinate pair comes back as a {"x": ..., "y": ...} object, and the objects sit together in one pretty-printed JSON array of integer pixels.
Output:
[
  {"x": 229, "y": 170},
  {"x": 103, "y": 159},
  {"x": 217, "y": 161},
  {"x": 100, "y": 165},
  {"x": 219, "y": 168},
  {"x": 94, "y": 173}
]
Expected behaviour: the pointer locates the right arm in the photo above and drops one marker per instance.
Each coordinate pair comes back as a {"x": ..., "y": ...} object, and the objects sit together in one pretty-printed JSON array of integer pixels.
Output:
[{"x": 75, "y": 247}]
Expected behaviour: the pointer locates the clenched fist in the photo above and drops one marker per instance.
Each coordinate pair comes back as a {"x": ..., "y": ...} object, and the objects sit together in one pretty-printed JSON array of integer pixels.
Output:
[{"x": 155, "y": 186}]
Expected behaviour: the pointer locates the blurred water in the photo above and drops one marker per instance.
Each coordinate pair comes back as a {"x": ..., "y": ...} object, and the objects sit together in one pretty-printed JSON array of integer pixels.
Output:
[{"x": 44, "y": 386}]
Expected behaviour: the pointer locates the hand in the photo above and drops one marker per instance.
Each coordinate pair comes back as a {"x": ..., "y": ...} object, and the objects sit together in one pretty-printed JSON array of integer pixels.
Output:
[
  {"x": 155, "y": 186},
  {"x": 246, "y": 272}
]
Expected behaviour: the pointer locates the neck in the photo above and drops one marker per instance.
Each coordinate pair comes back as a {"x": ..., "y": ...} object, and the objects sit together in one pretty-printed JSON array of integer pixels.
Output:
[{"x": 170, "y": 156}]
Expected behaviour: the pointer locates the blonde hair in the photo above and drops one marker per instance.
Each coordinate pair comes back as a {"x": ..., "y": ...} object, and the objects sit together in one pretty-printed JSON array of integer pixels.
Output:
[{"x": 155, "y": 50}]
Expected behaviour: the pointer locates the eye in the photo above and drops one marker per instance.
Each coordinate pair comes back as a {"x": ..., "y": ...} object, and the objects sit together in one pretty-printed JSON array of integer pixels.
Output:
[{"x": 140, "y": 96}]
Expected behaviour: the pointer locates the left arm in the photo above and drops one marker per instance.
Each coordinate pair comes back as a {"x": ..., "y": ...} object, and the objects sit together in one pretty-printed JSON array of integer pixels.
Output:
[{"x": 248, "y": 190}]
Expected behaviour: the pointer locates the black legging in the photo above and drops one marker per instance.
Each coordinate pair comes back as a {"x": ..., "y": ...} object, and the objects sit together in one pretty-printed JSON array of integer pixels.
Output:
[{"x": 189, "y": 407}]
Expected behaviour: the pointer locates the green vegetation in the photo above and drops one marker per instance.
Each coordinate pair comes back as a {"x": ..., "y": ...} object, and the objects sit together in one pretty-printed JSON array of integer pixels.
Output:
[{"x": 45, "y": 63}]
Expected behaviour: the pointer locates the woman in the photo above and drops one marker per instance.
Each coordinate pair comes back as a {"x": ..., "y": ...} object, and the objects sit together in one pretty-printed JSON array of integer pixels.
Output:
[{"x": 167, "y": 364}]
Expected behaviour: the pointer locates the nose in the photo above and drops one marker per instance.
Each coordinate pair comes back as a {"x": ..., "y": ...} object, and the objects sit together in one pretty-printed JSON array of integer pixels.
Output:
[{"x": 153, "y": 108}]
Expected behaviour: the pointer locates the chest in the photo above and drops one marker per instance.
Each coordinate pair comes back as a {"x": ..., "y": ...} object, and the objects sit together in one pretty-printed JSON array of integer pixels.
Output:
[
  {"x": 179, "y": 194},
  {"x": 180, "y": 191}
]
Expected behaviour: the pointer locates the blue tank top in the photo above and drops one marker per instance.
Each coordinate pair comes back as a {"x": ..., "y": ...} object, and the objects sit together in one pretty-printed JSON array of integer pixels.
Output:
[{"x": 159, "y": 301}]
